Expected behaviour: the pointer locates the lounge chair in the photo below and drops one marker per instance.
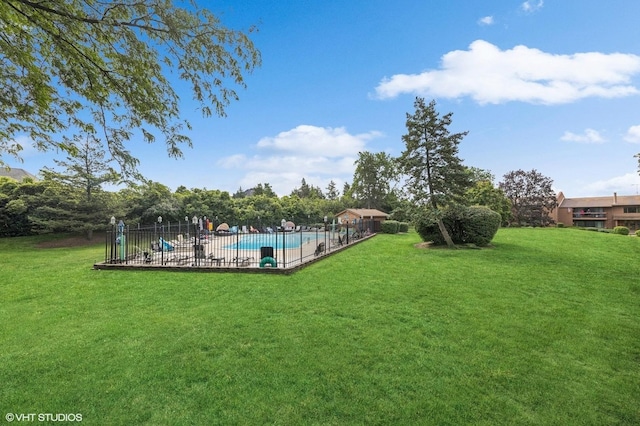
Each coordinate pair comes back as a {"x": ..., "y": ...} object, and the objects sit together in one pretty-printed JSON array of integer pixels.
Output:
[
  {"x": 242, "y": 261},
  {"x": 166, "y": 245},
  {"x": 218, "y": 260}
]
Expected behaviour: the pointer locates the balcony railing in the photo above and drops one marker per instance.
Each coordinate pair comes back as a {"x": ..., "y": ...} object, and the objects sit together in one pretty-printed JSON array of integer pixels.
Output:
[{"x": 590, "y": 215}]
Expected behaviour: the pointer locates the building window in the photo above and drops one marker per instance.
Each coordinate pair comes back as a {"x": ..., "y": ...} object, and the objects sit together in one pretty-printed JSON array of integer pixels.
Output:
[
  {"x": 632, "y": 209},
  {"x": 590, "y": 224},
  {"x": 633, "y": 225}
]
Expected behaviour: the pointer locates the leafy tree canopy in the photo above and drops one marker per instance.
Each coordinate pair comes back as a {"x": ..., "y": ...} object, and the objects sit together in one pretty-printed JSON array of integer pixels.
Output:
[
  {"x": 103, "y": 67},
  {"x": 532, "y": 197},
  {"x": 373, "y": 178}
]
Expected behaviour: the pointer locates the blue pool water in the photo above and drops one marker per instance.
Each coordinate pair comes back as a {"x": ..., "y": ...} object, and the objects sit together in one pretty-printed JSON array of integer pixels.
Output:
[{"x": 255, "y": 241}]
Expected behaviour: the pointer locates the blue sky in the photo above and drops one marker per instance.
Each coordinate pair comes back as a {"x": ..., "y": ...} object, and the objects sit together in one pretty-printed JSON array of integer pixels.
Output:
[{"x": 551, "y": 85}]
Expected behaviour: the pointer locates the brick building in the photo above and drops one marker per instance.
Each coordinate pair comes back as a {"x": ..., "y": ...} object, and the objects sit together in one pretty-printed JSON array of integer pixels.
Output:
[{"x": 599, "y": 212}]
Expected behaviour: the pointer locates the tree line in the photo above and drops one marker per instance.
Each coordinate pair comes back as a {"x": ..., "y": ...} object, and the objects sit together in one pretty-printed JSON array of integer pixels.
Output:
[
  {"x": 86, "y": 77},
  {"x": 427, "y": 176}
]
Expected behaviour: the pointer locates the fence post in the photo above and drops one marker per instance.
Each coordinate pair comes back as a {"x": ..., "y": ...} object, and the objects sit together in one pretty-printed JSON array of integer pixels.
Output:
[
  {"x": 284, "y": 246},
  {"x": 347, "y": 239},
  {"x": 237, "y": 246}
]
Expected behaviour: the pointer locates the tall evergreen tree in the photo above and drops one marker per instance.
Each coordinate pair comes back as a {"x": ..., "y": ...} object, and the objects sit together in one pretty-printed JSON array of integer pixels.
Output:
[
  {"x": 435, "y": 174},
  {"x": 264, "y": 189},
  {"x": 332, "y": 191},
  {"x": 85, "y": 171},
  {"x": 85, "y": 168},
  {"x": 307, "y": 191}
]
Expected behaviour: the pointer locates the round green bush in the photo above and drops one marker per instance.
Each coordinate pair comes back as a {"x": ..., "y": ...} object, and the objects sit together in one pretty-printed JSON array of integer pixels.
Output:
[
  {"x": 638, "y": 233},
  {"x": 466, "y": 225},
  {"x": 403, "y": 227},
  {"x": 621, "y": 230},
  {"x": 389, "y": 226}
]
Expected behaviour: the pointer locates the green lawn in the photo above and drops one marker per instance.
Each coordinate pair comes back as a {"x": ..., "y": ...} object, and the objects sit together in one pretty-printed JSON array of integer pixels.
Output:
[{"x": 543, "y": 328}]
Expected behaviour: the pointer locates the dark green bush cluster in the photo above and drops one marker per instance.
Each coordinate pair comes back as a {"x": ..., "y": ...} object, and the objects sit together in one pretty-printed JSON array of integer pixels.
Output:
[
  {"x": 390, "y": 227},
  {"x": 403, "y": 227},
  {"x": 621, "y": 230},
  {"x": 466, "y": 225},
  {"x": 638, "y": 233},
  {"x": 560, "y": 225}
]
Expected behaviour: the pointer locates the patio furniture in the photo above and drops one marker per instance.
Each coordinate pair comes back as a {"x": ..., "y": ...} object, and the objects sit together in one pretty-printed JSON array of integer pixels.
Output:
[
  {"x": 242, "y": 261},
  {"x": 218, "y": 260}
]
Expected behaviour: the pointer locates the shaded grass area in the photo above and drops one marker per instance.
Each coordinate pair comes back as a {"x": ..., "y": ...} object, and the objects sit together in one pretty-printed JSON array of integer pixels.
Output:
[{"x": 543, "y": 328}]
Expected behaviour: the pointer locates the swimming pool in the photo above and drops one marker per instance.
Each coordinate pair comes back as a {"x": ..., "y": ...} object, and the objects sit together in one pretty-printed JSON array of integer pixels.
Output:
[{"x": 255, "y": 241}]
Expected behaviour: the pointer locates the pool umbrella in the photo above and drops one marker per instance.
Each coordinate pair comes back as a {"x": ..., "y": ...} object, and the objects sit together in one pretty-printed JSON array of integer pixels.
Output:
[
  {"x": 223, "y": 227},
  {"x": 290, "y": 225}
]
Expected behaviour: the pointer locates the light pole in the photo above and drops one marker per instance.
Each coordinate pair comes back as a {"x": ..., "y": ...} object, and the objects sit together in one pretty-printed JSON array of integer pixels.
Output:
[
  {"x": 194, "y": 220},
  {"x": 122, "y": 241},
  {"x": 113, "y": 237},
  {"x": 325, "y": 232}
]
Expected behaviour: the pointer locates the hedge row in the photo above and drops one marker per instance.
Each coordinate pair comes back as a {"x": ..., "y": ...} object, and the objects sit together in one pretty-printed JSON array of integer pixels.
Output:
[{"x": 393, "y": 227}]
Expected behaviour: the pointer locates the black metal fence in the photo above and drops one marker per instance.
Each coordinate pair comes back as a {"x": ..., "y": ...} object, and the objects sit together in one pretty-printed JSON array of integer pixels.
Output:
[{"x": 189, "y": 245}]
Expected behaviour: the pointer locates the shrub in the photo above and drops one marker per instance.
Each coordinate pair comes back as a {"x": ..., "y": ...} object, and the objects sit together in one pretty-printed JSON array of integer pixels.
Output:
[
  {"x": 621, "y": 230},
  {"x": 403, "y": 227},
  {"x": 466, "y": 225},
  {"x": 638, "y": 233},
  {"x": 389, "y": 227},
  {"x": 560, "y": 225}
]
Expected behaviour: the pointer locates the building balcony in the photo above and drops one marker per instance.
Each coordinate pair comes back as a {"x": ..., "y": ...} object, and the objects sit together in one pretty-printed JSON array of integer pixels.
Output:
[{"x": 590, "y": 216}]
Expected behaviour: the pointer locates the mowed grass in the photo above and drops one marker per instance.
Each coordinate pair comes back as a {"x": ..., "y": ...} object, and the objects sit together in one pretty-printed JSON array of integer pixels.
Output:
[{"x": 541, "y": 329}]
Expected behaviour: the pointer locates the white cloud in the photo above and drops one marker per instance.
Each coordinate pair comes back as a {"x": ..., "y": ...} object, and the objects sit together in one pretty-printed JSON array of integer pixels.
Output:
[
  {"x": 633, "y": 134},
  {"x": 312, "y": 140},
  {"x": 490, "y": 75},
  {"x": 625, "y": 184},
  {"x": 589, "y": 136},
  {"x": 487, "y": 20},
  {"x": 26, "y": 143},
  {"x": 317, "y": 154},
  {"x": 531, "y": 6}
]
